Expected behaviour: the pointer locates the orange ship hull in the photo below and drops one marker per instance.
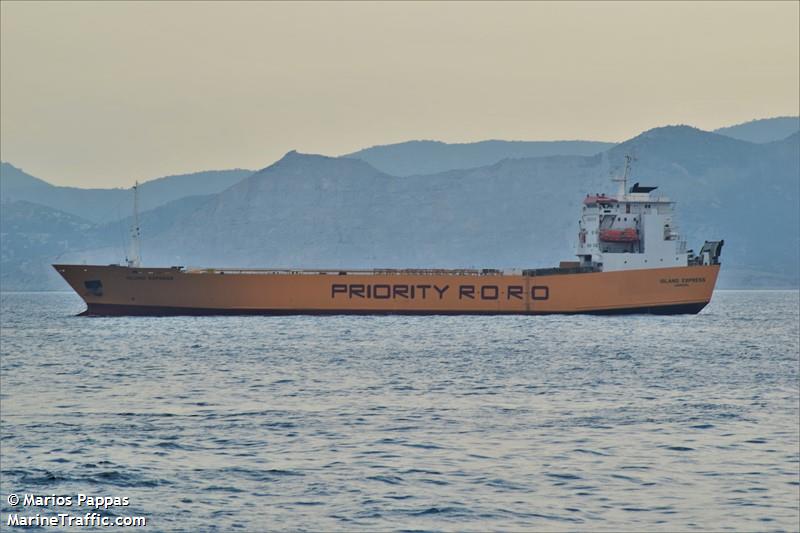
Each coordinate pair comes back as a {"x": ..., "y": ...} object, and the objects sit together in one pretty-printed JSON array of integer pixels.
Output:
[{"x": 118, "y": 290}]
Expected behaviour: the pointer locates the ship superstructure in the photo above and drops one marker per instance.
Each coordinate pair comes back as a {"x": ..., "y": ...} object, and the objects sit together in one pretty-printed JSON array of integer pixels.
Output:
[
  {"x": 632, "y": 230},
  {"x": 631, "y": 259}
]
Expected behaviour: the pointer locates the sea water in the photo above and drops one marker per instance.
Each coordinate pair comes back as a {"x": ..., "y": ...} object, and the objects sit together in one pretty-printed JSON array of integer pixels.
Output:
[{"x": 468, "y": 423}]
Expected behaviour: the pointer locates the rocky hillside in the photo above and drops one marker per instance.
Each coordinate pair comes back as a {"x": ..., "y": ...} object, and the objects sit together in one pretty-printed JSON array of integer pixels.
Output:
[
  {"x": 764, "y": 130},
  {"x": 431, "y": 157},
  {"x": 106, "y": 205}
]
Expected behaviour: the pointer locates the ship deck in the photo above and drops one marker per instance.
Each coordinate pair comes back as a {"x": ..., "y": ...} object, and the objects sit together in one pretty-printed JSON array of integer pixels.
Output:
[{"x": 393, "y": 271}]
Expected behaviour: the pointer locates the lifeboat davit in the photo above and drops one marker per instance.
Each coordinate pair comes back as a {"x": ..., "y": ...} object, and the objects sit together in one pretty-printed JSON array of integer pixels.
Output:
[{"x": 619, "y": 235}]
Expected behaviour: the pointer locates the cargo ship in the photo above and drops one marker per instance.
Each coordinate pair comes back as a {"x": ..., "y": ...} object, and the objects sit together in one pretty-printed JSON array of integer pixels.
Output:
[{"x": 630, "y": 259}]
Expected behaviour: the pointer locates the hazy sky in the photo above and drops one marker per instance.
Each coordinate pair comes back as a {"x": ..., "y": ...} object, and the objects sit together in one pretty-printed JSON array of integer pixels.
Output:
[{"x": 100, "y": 94}]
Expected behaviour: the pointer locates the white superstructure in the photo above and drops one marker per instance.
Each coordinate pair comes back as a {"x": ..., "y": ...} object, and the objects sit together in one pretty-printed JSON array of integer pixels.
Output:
[{"x": 632, "y": 230}]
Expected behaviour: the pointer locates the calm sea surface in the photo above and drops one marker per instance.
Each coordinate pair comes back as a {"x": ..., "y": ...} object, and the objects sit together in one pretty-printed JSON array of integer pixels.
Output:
[{"x": 408, "y": 423}]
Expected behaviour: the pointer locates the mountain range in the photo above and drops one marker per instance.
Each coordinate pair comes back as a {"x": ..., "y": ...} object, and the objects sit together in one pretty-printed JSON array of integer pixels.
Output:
[
  {"x": 762, "y": 131},
  {"x": 516, "y": 210},
  {"x": 430, "y": 157},
  {"x": 106, "y": 205}
]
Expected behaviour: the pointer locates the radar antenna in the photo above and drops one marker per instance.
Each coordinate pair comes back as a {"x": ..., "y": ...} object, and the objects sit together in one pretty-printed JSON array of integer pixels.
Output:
[{"x": 134, "y": 259}]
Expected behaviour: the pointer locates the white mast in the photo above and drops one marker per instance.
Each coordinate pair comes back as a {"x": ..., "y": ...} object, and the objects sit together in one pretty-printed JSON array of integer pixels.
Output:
[
  {"x": 623, "y": 180},
  {"x": 135, "y": 257}
]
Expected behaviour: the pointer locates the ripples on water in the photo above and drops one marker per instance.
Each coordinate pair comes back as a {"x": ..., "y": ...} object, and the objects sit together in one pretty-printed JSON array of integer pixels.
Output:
[{"x": 410, "y": 423}]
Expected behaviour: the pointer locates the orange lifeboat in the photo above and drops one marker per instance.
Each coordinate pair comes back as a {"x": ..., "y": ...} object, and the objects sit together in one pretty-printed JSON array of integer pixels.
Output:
[{"x": 619, "y": 235}]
